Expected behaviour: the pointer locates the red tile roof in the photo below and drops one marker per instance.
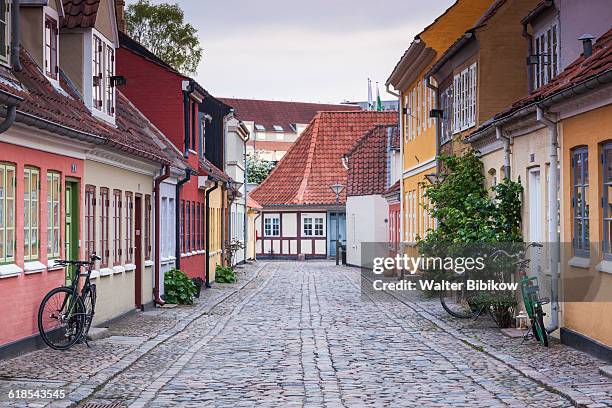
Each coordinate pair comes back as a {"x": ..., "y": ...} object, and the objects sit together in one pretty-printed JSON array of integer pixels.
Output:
[
  {"x": 314, "y": 162},
  {"x": 63, "y": 107},
  {"x": 578, "y": 71},
  {"x": 80, "y": 13},
  {"x": 251, "y": 203},
  {"x": 213, "y": 171},
  {"x": 367, "y": 161},
  {"x": 395, "y": 188},
  {"x": 270, "y": 113}
]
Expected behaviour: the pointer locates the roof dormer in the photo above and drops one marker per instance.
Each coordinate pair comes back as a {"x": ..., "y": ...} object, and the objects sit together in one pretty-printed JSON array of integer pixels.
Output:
[{"x": 89, "y": 37}]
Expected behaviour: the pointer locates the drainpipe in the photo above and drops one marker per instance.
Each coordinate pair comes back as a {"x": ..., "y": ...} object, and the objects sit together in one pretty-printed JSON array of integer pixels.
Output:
[
  {"x": 402, "y": 138},
  {"x": 208, "y": 233},
  {"x": 12, "y": 102},
  {"x": 438, "y": 124},
  {"x": 246, "y": 209},
  {"x": 553, "y": 205},
  {"x": 177, "y": 218},
  {"x": 506, "y": 141},
  {"x": 158, "y": 181}
]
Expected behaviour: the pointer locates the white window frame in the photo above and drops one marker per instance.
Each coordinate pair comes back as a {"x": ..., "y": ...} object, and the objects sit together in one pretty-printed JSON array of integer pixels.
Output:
[
  {"x": 541, "y": 74},
  {"x": 88, "y": 86},
  {"x": 314, "y": 222},
  {"x": 270, "y": 230},
  {"x": 6, "y": 58},
  {"x": 50, "y": 13},
  {"x": 465, "y": 89}
]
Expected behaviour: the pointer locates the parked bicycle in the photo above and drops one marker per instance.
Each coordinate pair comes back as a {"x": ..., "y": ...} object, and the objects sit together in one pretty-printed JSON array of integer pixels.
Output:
[
  {"x": 466, "y": 304},
  {"x": 65, "y": 314}
]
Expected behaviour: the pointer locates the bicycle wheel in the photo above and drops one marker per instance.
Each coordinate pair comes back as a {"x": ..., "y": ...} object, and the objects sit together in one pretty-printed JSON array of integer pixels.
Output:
[
  {"x": 60, "y": 318},
  {"x": 457, "y": 304},
  {"x": 90, "y": 307},
  {"x": 537, "y": 326}
]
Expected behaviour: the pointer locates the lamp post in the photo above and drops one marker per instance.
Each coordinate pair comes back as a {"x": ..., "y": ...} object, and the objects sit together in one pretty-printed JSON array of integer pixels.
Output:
[{"x": 337, "y": 189}]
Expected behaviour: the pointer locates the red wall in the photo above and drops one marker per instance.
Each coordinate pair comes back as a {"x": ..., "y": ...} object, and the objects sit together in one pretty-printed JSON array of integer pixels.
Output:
[
  {"x": 22, "y": 294},
  {"x": 155, "y": 91}
]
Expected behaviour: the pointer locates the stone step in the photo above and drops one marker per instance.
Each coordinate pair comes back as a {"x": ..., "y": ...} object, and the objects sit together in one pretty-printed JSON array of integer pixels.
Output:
[
  {"x": 606, "y": 370},
  {"x": 97, "y": 333}
]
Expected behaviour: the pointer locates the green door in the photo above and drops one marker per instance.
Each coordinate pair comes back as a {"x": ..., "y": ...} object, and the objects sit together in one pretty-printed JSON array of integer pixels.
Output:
[{"x": 72, "y": 224}]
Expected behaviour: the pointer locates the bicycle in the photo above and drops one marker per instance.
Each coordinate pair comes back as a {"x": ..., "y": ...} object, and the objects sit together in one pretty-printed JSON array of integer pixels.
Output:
[
  {"x": 65, "y": 315},
  {"x": 530, "y": 290}
]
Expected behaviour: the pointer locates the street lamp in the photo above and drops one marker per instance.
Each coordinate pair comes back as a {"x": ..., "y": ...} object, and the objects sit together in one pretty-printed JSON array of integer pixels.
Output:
[{"x": 337, "y": 189}]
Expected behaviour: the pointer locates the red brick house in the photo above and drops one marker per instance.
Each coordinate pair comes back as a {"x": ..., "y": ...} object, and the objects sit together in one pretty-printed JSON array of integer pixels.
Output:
[{"x": 299, "y": 208}]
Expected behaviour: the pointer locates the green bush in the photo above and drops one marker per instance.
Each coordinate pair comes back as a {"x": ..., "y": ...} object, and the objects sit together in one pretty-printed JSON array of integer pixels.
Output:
[
  {"x": 224, "y": 274},
  {"x": 178, "y": 287}
]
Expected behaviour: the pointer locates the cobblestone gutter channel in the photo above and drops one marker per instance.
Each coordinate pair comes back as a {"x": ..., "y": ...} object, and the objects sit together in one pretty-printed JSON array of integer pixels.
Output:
[{"x": 577, "y": 398}]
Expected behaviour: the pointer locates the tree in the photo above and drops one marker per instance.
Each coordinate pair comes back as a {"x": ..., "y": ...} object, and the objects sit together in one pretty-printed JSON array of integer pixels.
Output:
[
  {"x": 161, "y": 29},
  {"x": 258, "y": 170}
]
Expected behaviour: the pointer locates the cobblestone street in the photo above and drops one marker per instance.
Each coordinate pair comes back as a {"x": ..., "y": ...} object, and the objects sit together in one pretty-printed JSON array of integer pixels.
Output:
[{"x": 301, "y": 334}]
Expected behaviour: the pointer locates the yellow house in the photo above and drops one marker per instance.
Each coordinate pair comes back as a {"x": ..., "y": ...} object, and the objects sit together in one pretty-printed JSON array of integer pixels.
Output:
[
  {"x": 416, "y": 99},
  {"x": 567, "y": 124},
  {"x": 253, "y": 213}
]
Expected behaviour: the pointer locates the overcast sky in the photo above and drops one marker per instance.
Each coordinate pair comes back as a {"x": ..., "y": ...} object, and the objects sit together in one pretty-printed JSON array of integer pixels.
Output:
[{"x": 303, "y": 50}]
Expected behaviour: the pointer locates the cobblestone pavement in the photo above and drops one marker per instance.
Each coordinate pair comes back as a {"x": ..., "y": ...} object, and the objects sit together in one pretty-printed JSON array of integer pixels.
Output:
[{"x": 301, "y": 334}]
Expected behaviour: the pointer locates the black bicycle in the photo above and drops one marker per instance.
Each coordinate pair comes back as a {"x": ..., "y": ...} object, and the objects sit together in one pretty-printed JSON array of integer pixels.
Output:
[{"x": 65, "y": 314}]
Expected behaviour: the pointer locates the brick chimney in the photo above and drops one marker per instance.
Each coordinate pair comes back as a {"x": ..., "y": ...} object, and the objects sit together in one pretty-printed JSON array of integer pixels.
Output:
[{"x": 120, "y": 13}]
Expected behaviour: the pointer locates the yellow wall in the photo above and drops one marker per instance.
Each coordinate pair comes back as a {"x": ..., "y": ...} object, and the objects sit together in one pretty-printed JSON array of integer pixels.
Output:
[
  {"x": 215, "y": 228},
  {"x": 420, "y": 142},
  {"x": 589, "y": 129},
  {"x": 116, "y": 291},
  {"x": 251, "y": 215}
]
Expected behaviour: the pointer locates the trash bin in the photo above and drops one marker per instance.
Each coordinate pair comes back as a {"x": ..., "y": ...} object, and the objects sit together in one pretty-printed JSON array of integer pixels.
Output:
[{"x": 343, "y": 254}]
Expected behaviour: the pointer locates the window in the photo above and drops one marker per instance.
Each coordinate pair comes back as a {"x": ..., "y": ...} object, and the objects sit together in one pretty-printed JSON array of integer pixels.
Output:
[
  {"x": 7, "y": 213},
  {"x": 580, "y": 205},
  {"x": 446, "y": 106},
  {"x": 170, "y": 241},
  {"x": 104, "y": 223},
  {"x": 202, "y": 149},
  {"x": 607, "y": 199},
  {"x": 260, "y": 128},
  {"x": 51, "y": 33},
  {"x": 313, "y": 226},
  {"x": 118, "y": 239},
  {"x": 5, "y": 32},
  {"x": 272, "y": 226},
  {"x": 194, "y": 230},
  {"x": 31, "y": 187},
  {"x": 182, "y": 228},
  {"x": 103, "y": 67},
  {"x": 198, "y": 227},
  {"x": 464, "y": 99},
  {"x": 90, "y": 220},
  {"x": 165, "y": 218},
  {"x": 53, "y": 214},
  {"x": 129, "y": 227},
  {"x": 547, "y": 54},
  {"x": 147, "y": 227},
  {"x": 188, "y": 225},
  {"x": 202, "y": 224}
]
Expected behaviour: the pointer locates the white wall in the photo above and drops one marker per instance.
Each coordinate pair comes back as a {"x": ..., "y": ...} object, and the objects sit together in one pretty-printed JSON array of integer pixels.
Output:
[
  {"x": 167, "y": 191},
  {"x": 365, "y": 222}
]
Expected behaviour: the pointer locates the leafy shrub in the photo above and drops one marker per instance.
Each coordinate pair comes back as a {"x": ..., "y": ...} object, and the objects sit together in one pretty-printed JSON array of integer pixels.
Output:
[
  {"x": 224, "y": 274},
  {"x": 178, "y": 287}
]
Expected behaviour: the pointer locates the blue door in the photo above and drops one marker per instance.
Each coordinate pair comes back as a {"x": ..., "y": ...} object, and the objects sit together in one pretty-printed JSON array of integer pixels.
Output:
[{"x": 331, "y": 233}]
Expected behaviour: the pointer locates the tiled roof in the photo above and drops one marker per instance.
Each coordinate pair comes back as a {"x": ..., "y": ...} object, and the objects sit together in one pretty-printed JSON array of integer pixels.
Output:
[
  {"x": 578, "y": 71},
  {"x": 80, "y": 13},
  {"x": 213, "y": 171},
  {"x": 395, "y": 188},
  {"x": 271, "y": 113},
  {"x": 63, "y": 107},
  {"x": 251, "y": 203},
  {"x": 314, "y": 162},
  {"x": 367, "y": 161}
]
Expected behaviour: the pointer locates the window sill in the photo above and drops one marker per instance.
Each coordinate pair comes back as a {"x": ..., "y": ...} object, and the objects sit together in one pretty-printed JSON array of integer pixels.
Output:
[
  {"x": 579, "y": 262},
  {"x": 94, "y": 275},
  {"x": 604, "y": 266},
  {"x": 129, "y": 267},
  {"x": 118, "y": 269},
  {"x": 34, "y": 267},
  {"x": 9, "y": 271},
  {"x": 106, "y": 271},
  {"x": 51, "y": 266},
  {"x": 148, "y": 263}
]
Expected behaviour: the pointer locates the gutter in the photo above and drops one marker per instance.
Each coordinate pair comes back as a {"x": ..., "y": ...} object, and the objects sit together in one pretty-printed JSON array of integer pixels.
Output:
[
  {"x": 208, "y": 233},
  {"x": 553, "y": 205},
  {"x": 438, "y": 124},
  {"x": 156, "y": 298},
  {"x": 177, "y": 218},
  {"x": 12, "y": 101}
]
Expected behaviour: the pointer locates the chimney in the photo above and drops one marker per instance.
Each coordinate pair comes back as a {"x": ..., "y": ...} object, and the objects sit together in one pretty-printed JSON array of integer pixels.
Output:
[
  {"x": 587, "y": 45},
  {"x": 120, "y": 14}
]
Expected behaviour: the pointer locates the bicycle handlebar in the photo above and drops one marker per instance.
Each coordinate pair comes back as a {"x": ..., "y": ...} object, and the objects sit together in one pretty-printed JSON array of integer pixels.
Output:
[{"x": 64, "y": 262}]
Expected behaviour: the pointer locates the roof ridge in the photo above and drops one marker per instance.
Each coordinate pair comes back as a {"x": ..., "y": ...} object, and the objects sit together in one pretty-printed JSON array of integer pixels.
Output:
[{"x": 308, "y": 168}]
